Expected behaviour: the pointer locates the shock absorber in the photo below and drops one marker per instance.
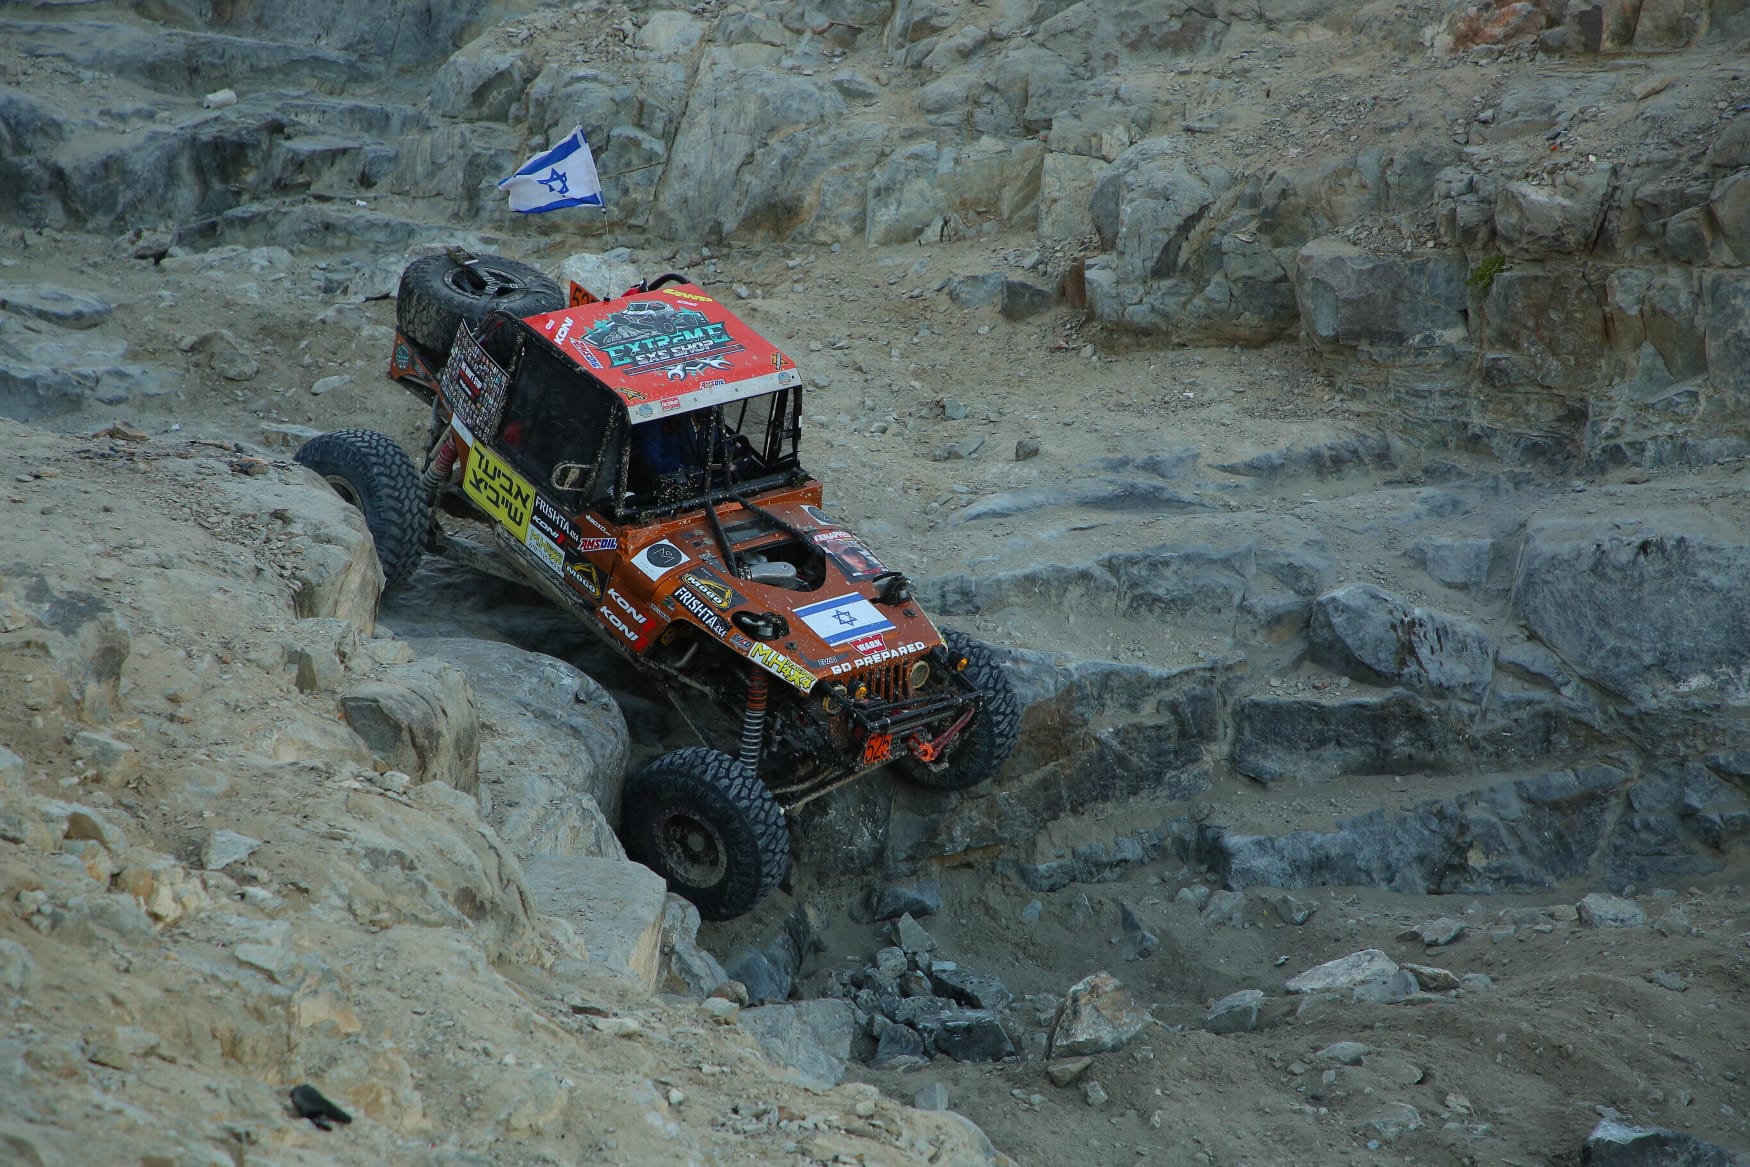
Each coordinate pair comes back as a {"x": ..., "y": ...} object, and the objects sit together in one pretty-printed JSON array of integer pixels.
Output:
[
  {"x": 753, "y": 717},
  {"x": 443, "y": 460}
]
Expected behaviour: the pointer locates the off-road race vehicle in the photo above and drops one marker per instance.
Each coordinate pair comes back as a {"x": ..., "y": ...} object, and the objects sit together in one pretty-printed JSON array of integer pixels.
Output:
[{"x": 636, "y": 460}]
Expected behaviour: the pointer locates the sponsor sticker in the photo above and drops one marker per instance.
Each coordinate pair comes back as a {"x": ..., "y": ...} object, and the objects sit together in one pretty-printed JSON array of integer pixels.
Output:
[
  {"x": 658, "y": 559},
  {"x": 702, "y": 612},
  {"x": 584, "y": 577},
  {"x": 781, "y": 666},
  {"x": 499, "y": 490},
  {"x": 875, "y": 658},
  {"x": 713, "y": 589},
  {"x": 619, "y": 624},
  {"x": 842, "y": 618},
  {"x": 592, "y": 543},
  {"x": 554, "y": 524},
  {"x": 868, "y": 644},
  {"x": 548, "y": 550}
]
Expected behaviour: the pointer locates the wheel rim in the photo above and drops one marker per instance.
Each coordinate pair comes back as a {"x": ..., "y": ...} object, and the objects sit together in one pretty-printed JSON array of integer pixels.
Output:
[
  {"x": 480, "y": 280},
  {"x": 345, "y": 490},
  {"x": 691, "y": 850}
]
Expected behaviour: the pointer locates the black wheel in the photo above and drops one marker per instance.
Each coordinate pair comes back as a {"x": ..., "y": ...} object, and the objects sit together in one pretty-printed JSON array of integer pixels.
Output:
[
  {"x": 437, "y": 294},
  {"x": 982, "y": 747},
  {"x": 702, "y": 821},
  {"x": 372, "y": 473}
]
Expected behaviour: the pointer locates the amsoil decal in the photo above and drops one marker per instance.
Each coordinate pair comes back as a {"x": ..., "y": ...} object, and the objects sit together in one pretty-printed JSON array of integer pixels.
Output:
[
  {"x": 714, "y": 590},
  {"x": 868, "y": 662},
  {"x": 499, "y": 490},
  {"x": 590, "y": 543},
  {"x": 702, "y": 612},
  {"x": 781, "y": 666}
]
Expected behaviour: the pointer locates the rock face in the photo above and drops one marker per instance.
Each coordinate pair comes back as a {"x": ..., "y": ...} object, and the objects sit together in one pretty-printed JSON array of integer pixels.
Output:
[
  {"x": 1649, "y": 609},
  {"x": 553, "y": 746},
  {"x": 1618, "y": 1144},
  {"x": 1370, "y": 634}
]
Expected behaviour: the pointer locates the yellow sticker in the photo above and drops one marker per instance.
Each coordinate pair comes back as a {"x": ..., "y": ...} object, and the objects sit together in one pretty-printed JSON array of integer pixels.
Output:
[
  {"x": 781, "y": 666},
  {"x": 499, "y": 490}
]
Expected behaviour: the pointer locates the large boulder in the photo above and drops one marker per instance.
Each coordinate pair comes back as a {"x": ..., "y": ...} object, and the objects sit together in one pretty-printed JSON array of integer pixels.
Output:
[
  {"x": 420, "y": 719},
  {"x": 1098, "y": 1015},
  {"x": 615, "y": 907},
  {"x": 1537, "y": 221},
  {"x": 927, "y": 182},
  {"x": 1646, "y": 606}
]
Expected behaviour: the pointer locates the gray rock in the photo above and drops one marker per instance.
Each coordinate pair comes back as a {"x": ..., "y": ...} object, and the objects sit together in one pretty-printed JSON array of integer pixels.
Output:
[
  {"x": 1431, "y": 979},
  {"x": 1022, "y": 299},
  {"x": 1098, "y": 1015},
  {"x": 811, "y": 1038},
  {"x": 1674, "y": 922},
  {"x": 976, "y": 291},
  {"x": 1389, "y": 991},
  {"x": 1197, "y": 895},
  {"x": 420, "y": 719},
  {"x": 966, "y": 1035},
  {"x": 1235, "y": 1013},
  {"x": 12, "y": 769},
  {"x": 1457, "y": 563},
  {"x": 1599, "y": 910},
  {"x": 1613, "y": 1143},
  {"x": 1026, "y": 448},
  {"x": 1225, "y": 908},
  {"x": 767, "y": 983},
  {"x": 223, "y": 848},
  {"x": 1445, "y": 930},
  {"x": 1666, "y": 979},
  {"x": 931, "y": 1097},
  {"x": 686, "y": 967},
  {"x": 1095, "y": 1093},
  {"x": 1344, "y": 1053},
  {"x": 1641, "y": 604},
  {"x": 1374, "y": 636},
  {"x": 19, "y": 974},
  {"x": 1345, "y": 973},
  {"x": 915, "y": 897},
  {"x": 59, "y": 306},
  {"x": 1139, "y": 942},
  {"x": 1067, "y": 1070},
  {"x": 891, "y": 962},
  {"x": 911, "y": 935},
  {"x": 1394, "y": 1120},
  {"x": 898, "y": 1045},
  {"x": 481, "y": 84},
  {"x": 602, "y": 276},
  {"x": 972, "y": 989}
]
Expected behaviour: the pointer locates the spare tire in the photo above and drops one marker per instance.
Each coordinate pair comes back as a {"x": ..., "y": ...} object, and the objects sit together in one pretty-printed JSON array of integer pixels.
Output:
[{"x": 438, "y": 294}]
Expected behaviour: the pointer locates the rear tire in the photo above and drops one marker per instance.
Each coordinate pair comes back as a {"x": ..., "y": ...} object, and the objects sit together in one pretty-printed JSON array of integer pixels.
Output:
[
  {"x": 371, "y": 472},
  {"x": 982, "y": 747},
  {"x": 437, "y": 294},
  {"x": 706, "y": 824}
]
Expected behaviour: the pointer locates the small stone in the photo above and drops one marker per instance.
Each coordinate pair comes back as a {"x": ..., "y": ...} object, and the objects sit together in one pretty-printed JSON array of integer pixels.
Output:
[
  {"x": 1098, "y": 1015},
  {"x": 719, "y": 1009},
  {"x": 931, "y": 1097},
  {"x": 1674, "y": 922},
  {"x": 1600, "y": 910},
  {"x": 1344, "y": 1053},
  {"x": 1431, "y": 979},
  {"x": 1034, "y": 909},
  {"x": 1095, "y": 1093},
  {"x": 1438, "y": 933},
  {"x": 916, "y": 897},
  {"x": 1668, "y": 980},
  {"x": 226, "y": 847},
  {"x": 328, "y": 384},
  {"x": 1476, "y": 982},
  {"x": 1344, "y": 973},
  {"x": 617, "y": 1026},
  {"x": 911, "y": 935},
  {"x": 1066, "y": 1070},
  {"x": 1140, "y": 943},
  {"x": 891, "y": 962},
  {"x": 953, "y": 409},
  {"x": 219, "y": 99},
  {"x": 1235, "y": 1013},
  {"x": 1026, "y": 448}
]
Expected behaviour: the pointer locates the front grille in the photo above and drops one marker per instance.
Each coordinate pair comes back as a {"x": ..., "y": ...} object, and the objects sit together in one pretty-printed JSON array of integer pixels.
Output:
[{"x": 886, "y": 682}]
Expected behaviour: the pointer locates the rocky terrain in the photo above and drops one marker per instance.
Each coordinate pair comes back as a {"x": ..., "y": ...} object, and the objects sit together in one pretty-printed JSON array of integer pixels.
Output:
[{"x": 1336, "y": 414}]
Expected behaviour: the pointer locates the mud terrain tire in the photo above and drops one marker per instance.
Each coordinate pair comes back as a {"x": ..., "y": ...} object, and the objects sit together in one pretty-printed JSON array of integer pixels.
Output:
[
  {"x": 371, "y": 472},
  {"x": 702, "y": 821},
  {"x": 437, "y": 294},
  {"x": 982, "y": 747}
]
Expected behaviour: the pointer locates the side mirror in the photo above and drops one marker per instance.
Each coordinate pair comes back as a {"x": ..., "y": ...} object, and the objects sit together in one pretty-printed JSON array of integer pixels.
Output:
[{"x": 568, "y": 476}]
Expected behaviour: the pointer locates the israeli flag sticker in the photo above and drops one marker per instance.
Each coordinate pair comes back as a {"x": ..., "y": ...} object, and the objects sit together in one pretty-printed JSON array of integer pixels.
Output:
[{"x": 843, "y": 618}]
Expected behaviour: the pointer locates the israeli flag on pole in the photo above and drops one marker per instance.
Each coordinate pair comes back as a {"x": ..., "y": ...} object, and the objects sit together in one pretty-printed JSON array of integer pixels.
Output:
[{"x": 561, "y": 177}]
